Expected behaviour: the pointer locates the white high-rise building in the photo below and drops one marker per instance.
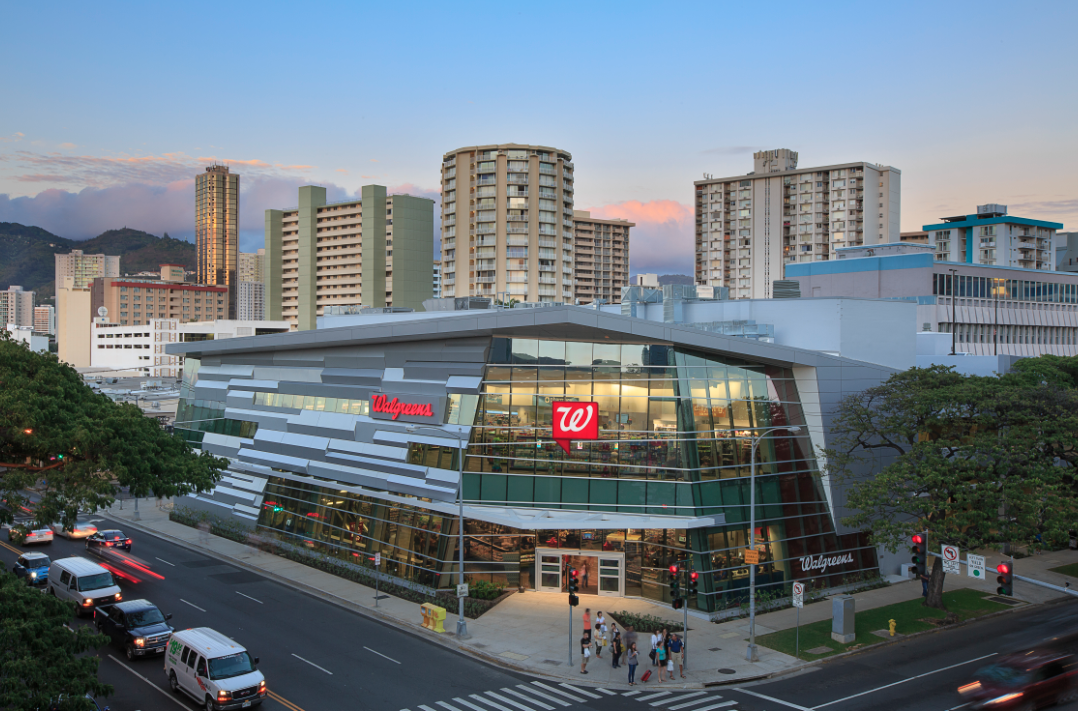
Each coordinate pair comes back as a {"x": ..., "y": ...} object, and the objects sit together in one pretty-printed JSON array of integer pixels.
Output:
[
  {"x": 437, "y": 279},
  {"x": 748, "y": 227},
  {"x": 45, "y": 320},
  {"x": 16, "y": 307},
  {"x": 991, "y": 236},
  {"x": 84, "y": 268},
  {"x": 251, "y": 301},
  {"x": 507, "y": 223}
]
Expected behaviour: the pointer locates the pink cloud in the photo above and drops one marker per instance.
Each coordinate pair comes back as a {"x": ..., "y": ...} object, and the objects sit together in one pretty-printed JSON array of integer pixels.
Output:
[{"x": 662, "y": 241}]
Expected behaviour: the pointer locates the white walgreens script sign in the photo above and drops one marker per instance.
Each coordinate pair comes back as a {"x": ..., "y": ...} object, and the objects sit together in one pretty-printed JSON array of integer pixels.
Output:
[{"x": 823, "y": 562}]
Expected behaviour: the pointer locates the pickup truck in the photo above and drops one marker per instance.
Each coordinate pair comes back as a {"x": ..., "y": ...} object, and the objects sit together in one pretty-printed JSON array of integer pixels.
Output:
[{"x": 136, "y": 625}]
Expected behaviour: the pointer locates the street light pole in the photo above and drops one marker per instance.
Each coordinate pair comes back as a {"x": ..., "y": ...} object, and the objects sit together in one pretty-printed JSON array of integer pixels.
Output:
[
  {"x": 750, "y": 654},
  {"x": 462, "y": 625}
]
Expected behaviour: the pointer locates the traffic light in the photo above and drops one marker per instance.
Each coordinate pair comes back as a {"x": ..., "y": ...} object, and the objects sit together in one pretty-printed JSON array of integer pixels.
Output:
[
  {"x": 1005, "y": 579},
  {"x": 694, "y": 582},
  {"x": 574, "y": 586},
  {"x": 675, "y": 587},
  {"x": 919, "y": 549}
]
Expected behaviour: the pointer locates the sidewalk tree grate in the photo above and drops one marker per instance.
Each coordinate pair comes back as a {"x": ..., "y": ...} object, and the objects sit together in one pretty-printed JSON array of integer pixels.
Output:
[
  {"x": 1004, "y": 600},
  {"x": 727, "y": 671}
]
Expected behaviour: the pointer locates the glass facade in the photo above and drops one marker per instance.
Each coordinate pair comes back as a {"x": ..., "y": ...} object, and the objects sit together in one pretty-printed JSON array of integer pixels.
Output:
[{"x": 675, "y": 440}]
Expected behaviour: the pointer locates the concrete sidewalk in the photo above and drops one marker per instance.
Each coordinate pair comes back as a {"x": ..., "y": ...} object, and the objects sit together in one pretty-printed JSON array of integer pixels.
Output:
[{"x": 530, "y": 632}]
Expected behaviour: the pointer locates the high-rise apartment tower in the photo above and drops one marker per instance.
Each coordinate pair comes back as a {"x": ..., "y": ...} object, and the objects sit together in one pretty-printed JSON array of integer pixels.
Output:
[
  {"x": 84, "y": 268},
  {"x": 507, "y": 223},
  {"x": 749, "y": 227},
  {"x": 16, "y": 307},
  {"x": 217, "y": 229},
  {"x": 601, "y": 258},
  {"x": 375, "y": 251}
]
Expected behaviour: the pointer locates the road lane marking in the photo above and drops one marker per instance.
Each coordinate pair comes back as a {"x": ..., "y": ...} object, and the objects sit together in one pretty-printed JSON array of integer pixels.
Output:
[
  {"x": 165, "y": 561},
  {"x": 192, "y": 605},
  {"x": 634, "y": 692},
  {"x": 248, "y": 597},
  {"x": 10, "y": 548},
  {"x": 519, "y": 705},
  {"x": 449, "y": 706},
  {"x": 716, "y": 706},
  {"x": 167, "y": 695},
  {"x": 679, "y": 697},
  {"x": 896, "y": 683},
  {"x": 649, "y": 697},
  {"x": 495, "y": 704},
  {"x": 425, "y": 708},
  {"x": 541, "y": 695},
  {"x": 772, "y": 699},
  {"x": 541, "y": 685},
  {"x": 327, "y": 671},
  {"x": 530, "y": 700},
  {"x": 590, "y": 695},
  {"x": 382, "y": 655},
  {"x": 282, "y": 701},
  {"x": 469, "y": 704},
  {"x": 689, "y": 703},
  {"x": 608, "y": 692}
]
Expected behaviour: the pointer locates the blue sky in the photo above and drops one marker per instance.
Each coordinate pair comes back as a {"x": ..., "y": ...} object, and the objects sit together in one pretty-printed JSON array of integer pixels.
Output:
[{"x": 110, "y": 110}]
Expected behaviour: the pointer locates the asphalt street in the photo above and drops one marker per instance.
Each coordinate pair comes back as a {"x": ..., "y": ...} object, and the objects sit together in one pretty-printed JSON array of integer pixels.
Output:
[{"x": 317, "y": 656}]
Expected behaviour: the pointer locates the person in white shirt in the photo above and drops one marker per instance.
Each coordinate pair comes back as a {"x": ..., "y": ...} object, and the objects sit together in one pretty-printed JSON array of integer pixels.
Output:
[{"x": 656, "y": 640}]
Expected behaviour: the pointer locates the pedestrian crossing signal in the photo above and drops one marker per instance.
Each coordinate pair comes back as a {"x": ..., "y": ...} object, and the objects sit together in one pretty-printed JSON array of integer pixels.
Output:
[
  {"x": 573, "y": 600},
  {"x": 678, "y": 603}
]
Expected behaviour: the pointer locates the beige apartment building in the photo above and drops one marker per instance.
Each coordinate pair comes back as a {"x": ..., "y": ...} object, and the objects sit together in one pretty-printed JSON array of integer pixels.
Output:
[
  {"x": 45, "y": 320},
  {"x": 374, "y": 251},
  {"x": 73, "y": 319},
  {"x": 135, "y": 301},
  {"x": 251, "y": 266},
  {"x": 16, "y": 307},
  {"x": 601, "y": 260},
  {"x": 84, "y": 268},
  {"x": 749, "y": 227},
  {"x": 507, "y": 223},
  {"x": 217, "y": 230}
]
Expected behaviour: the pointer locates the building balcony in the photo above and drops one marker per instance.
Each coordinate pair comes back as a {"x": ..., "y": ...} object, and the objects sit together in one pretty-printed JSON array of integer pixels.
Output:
[
  {"x": 517, "y": 229},
  {"x": 517, "y": 218},
  {"x": 517, "y": 180}
]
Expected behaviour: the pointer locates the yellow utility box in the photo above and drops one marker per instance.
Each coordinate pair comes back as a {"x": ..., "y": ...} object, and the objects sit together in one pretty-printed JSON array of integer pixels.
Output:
[{"x": 433, "y": 617}]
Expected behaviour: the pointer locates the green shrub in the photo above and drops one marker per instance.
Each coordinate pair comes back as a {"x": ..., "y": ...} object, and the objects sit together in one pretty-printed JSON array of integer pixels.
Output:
[
  {"x": 644, "y": 623},
  {"x": 483, "y": 590}
]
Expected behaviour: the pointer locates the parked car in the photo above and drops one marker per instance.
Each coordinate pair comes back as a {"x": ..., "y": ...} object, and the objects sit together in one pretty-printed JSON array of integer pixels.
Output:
[
  {"x": 80, "y": 530},
  {"x": 83, "y": 582},
  {"x": 213, "y": 670},
  {"x": 108, "y": 539},
  {"x": 34, "y": 568},
  {"x": 24, "y": 535},
  {"x": 136, "y": 625},
  {"x": 1031, "y": 679}
]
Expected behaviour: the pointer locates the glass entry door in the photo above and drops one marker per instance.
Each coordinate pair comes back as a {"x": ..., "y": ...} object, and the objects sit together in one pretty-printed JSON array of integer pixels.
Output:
[
  {"x": 610, "y": 568},
  {"x": 550, "y": 568}
]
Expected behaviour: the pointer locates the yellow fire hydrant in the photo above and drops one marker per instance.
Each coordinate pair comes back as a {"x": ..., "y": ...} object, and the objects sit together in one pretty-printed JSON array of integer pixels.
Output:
[{"x": 892, "y": 623}]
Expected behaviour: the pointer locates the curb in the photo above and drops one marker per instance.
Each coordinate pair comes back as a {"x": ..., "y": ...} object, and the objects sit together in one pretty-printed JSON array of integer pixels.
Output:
[{"x": 447, "y": 642}]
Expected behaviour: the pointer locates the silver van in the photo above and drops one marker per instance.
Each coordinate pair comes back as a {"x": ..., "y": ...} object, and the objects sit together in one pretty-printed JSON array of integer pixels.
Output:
[{"x": 84, "y": 583}]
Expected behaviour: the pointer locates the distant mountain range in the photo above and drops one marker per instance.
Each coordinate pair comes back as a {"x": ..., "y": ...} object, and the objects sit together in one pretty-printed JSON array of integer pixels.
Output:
[{"x": 27, "y": 254}]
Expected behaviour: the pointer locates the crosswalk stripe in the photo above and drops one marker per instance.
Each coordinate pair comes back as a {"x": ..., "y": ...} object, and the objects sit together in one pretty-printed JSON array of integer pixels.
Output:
[
  {"x": 558, "y": 691},
  {"x": 541, "y": 695},
  {"x": 581, "y": 691},
  {"x": 469, "y": 704},
  {"x": 425, "y": 708},
  {"x": 679, "y": 697},
  {"x": 451, "y": 707},
  {"x": 495, "y": 704},
  {"x": 649, "y": 697},
  {"x": 608, "y": 692},
  {"x": 716, "y": 706},
  {"x": 634, "y": 692},
  {"x": 519, "y": 705},
  {"x": 519, "y": 695}
]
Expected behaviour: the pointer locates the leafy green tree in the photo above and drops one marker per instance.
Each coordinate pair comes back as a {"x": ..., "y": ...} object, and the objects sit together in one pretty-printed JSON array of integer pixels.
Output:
[
  {"x": 975, "y": 461},
  {"x": 42, "y": 662},
  {"x": 78, "y": 446}
]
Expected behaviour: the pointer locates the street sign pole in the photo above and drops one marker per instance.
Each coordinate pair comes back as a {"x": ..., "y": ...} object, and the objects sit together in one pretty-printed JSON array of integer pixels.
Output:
[
  {"x": 799, "y": 602},
  {"x": 797, "y": 644},
  {"x": 377, "y": 562},
  {"x": 570, "y": 634}
]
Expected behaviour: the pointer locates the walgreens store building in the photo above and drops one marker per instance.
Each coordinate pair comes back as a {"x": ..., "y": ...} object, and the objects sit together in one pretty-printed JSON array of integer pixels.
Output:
[{"x": 346, "y": 439}]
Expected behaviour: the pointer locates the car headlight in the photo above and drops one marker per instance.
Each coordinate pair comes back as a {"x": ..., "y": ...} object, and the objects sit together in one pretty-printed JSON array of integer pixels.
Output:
[
  {"x": 224, "y": 695},
  {"x": 87, "y": 602},
  {"x": 1003, "y": 699},
  {"x": 118, "y": 596},
  {"x": 33, "y": 575},
  {"x": 262, "y": 686},
  {"x": 140, "y": 641}
]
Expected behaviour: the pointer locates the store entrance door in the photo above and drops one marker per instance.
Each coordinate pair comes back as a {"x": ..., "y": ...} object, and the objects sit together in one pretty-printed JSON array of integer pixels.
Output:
[{"x": 598, "y": 573}]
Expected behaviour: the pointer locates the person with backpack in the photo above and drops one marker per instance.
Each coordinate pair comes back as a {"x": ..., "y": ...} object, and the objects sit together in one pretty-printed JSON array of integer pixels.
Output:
[{"x": 633, "y": 661}]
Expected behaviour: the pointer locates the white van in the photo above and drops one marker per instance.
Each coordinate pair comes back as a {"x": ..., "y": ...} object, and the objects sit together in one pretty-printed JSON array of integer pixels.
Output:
[
  {"x": 213, "y": 670},
  {"x": 83, "y": 582}
]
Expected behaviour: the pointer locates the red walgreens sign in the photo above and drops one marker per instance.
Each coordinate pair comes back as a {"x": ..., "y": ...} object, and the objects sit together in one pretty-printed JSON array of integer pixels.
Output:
[
  {"x": 396, "y": 408},
  {"x": 575, "y": 420}
]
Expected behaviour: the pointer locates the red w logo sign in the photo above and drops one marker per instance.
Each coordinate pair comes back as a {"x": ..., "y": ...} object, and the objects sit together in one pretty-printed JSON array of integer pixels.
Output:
[{"x": 575, "y": 420}]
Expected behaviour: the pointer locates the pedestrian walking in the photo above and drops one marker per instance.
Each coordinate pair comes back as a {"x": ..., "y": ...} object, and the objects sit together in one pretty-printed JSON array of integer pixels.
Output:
[
  {"x": 615, "y": 646},
  {"x": 584, "y": 575},
  {"x": 203, "y": 532},
  {"x": 585, "y": 653},
  {"x": 633, "y": 661},
  {"x": 677, "y": 649},
  {"x": 630, "y": 637}
]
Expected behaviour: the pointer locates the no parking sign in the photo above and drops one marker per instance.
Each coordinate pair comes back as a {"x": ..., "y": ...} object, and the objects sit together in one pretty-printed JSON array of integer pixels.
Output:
[{"x": 950, "y": 560}]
